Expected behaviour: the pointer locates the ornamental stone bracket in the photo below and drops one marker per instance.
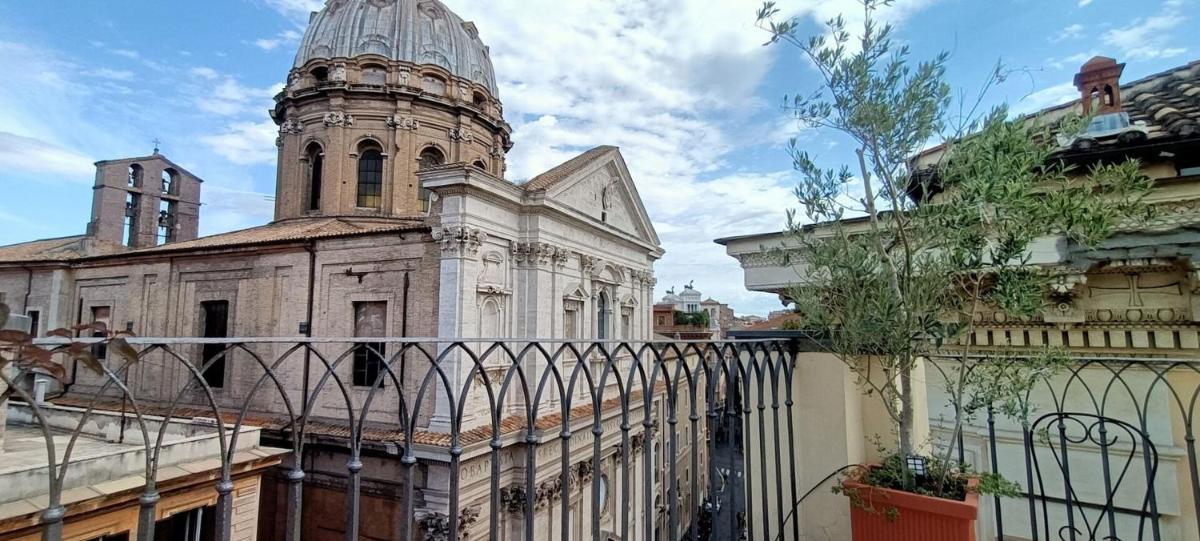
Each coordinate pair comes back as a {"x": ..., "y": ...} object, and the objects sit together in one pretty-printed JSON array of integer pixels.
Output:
[
  {"x": 460, "y": 134},
  {"x": 1062, "y": 307},
  {"x": 497, "y": 152},
  {"x": 403, "y": 122},
  {"x": 338, "y": 119},
  {"x": 537, "y": 253},
  {"x": 513, "y": 499},
  {"x": 291, "y": 127},
  {"x": 582, "y": 472},
  {"x": 459, "y": 240},
  {"x": 639, "y": 277},
  {"x": 436, "y": 526},
  {"x": 547, "y": 492},
  {"x": 591, "y": 265}
]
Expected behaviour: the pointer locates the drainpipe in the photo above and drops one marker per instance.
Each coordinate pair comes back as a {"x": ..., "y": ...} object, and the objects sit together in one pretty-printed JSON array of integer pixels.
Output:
[
  {"x": 310, "y": 247},
  {"x": 404, "y": 324},
  {"x": 28, "y": 290}
]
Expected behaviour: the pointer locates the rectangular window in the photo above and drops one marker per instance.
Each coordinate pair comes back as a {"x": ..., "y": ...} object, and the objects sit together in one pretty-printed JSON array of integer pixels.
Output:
[
  {"x": 35, "y": 323},
  {"x": 626, "y": 323},
  {"x": 215, "y": 320},
  {"x": 195, "y": 525},
  {"x": 101, "y": 317},
  {"x": 370, "y": 321},
  {"x": 571, "y": 321}
]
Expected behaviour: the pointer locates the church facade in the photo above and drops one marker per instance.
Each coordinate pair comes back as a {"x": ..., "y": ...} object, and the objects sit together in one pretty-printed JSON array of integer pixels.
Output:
[{"x": 392, "y": 219}]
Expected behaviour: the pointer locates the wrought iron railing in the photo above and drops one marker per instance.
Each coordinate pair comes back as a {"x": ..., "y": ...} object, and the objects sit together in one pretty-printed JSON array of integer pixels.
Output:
[
  {"x": 1103, "y": 448},
  {"x": 590, "y": 440},
  {"x": 480, "y": 439}
]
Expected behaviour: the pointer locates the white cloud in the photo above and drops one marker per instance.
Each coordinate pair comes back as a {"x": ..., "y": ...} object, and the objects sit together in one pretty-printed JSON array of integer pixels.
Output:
[
  {"x": 287, "y": 37},
  {"x": 1147, "y": 38},
  {"x": 204, "y": 73},
  {"x": 227, "y": 209},
  {"x": 295, "y": 8},
  {"x": 225, "y": 96},
  {"x": 1085, "y": 3},
  {"x": 1073, "y": 31},
  {"x": 1046, "y": 97},
  {"x": 127, "y": 53},
  {"x": 30, "y": 155},
  {"x": 245, "y": 143},
  {"x": 112, "y": 74},
  {"x": 672, "y": 84}
]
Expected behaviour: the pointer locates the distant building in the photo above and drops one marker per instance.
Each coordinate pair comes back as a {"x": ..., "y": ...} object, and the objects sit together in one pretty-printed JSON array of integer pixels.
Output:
[{"x": 684, "y": 315}]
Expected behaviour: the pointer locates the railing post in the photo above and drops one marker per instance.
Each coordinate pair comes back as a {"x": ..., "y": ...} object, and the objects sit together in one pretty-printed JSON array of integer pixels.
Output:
[
  {"x": 146, "y": 504},
  {"x": 224, "y": 522},
  {"x": 295, "y": 516},
  {"x": 52, "y": 523}
]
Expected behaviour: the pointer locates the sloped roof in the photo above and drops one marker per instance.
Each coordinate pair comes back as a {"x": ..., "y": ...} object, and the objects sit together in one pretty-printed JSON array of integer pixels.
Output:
[
  {"x": 288, "y": 231},
  {"x": 54, "y": 250},
  {"x": 566, "y": 169},
  {"x": 73, "y": 248},
  {"x": 1168, "y": 102}
]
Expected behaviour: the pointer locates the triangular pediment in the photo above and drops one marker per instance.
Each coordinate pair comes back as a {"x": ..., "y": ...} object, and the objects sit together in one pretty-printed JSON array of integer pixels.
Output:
[{"x": 602, "y": 191}]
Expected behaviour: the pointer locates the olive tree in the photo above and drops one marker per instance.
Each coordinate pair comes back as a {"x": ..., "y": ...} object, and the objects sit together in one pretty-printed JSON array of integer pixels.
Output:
[{"x": 895, "y": 258}]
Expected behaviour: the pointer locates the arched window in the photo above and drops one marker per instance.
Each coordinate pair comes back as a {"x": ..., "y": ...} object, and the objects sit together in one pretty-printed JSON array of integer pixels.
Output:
[
  {"x": 602, "y": 316},
  {"x": 316, "y": 169},
  {"x": 480, "y": 164},
  {"x": 168, "y": 182},
  {"x": 370, "y": 178},
  {"x": 1108, "y": 95},
  {"x": 430, "y": 157},
  {"x": 320, "y": 74},
  {"x": 135, "y": 175},
  {"x": 479, "y": 101}
]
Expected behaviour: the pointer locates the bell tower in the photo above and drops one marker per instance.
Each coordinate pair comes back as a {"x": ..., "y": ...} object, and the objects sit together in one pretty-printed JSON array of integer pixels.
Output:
[
  {"x": 144, "y": 202},
  {"x": 1099, "y": 84}
]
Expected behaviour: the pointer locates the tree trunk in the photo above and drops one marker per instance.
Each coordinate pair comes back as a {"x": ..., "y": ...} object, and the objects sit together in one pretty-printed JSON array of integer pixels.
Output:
[{"x": 906, "y": 410}]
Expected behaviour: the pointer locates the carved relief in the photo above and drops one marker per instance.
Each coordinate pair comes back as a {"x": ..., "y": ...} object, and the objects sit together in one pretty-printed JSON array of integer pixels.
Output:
[
  {"x": 460, "y": 134},
  {"x": 539, "y": 253},
  {"x": 403, "y": 122},
  {"x": 546, "y": 492},
  {"x": 291, "y": 127},
  {"x": 513, "y": 499},
  {"x": 582, "y": 473},
  {"x": 459, "y": 240},
  {"x": 338, "y": 119},
  {"x": 491, "y": 272},
  {"x": 436, "y": 526}
]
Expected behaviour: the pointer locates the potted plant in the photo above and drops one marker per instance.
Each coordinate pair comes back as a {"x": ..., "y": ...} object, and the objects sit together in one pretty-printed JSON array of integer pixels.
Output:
[{"x": 900, "y": 254}]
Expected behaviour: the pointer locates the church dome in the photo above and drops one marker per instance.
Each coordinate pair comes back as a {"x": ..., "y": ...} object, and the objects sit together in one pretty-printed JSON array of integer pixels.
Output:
[{"x": 416, "y": 31}]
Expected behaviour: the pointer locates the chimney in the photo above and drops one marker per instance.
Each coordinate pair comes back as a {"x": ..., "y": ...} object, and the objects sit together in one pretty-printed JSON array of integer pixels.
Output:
[{"x": 1099, "y": 84}]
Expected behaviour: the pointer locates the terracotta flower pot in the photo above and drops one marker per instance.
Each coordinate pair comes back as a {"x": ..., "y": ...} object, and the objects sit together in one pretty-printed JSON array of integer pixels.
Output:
[{"x": 921, "y": 518}]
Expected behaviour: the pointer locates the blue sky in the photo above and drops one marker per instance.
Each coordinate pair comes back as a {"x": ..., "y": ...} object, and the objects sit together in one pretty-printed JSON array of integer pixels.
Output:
[{"x": 683, "y": 87}]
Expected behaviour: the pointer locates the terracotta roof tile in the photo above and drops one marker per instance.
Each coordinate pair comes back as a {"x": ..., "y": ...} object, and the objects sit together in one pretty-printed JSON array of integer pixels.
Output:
[
  {"x": 76, "y": 248},
  {"x": 56, "y": 249},
  {"x": 566, "y": 169},
  {"x": 1168, "y": 102}
]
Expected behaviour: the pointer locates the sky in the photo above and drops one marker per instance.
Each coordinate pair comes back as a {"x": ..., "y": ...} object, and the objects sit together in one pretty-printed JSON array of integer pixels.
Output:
[{"x": 686, "y": 88}]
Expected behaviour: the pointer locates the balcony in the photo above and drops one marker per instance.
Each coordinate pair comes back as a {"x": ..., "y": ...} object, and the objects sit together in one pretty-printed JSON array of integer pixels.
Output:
[{"x": 657, "y": 440}]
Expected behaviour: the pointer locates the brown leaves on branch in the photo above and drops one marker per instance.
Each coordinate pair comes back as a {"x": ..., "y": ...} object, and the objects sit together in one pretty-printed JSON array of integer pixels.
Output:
[{"x": 17, "y": 347}]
